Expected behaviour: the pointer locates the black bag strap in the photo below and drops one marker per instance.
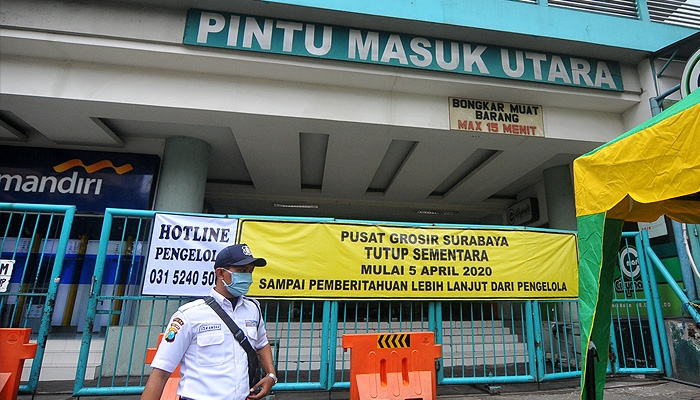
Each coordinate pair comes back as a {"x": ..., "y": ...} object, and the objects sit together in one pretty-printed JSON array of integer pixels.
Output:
[{"x": 253, "y": 363}]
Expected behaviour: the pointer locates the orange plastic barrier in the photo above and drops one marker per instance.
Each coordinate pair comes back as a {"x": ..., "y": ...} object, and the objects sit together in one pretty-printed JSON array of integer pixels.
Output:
[
  {"x": 170, "y": 390},
  {"x": 392, "y": 366},
  {"x": 15, "y": 348}
]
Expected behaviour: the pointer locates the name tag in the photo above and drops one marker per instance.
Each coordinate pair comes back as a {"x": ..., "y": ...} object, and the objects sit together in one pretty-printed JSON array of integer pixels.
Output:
[{"x": 210, "y": 327}]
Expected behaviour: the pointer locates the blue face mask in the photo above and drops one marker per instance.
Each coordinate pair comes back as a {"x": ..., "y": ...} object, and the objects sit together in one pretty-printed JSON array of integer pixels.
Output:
[{"x": 240, "y": 283}]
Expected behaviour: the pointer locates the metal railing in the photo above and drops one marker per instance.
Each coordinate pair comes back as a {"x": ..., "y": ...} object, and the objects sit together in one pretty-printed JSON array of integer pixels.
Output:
[
  {"x": 35, "y": 237},
  {"x": 486, "y": 341},
  {"x": 620, "y": 8},
  {"x": 656, "y": 262},
  {"x": 350, "y": 317},
  {"x": 674, "y": 12},
  {"x": 634, "y": 332},
  {"x": 299, "y": 334},
  {"x": 561, "y": 339},
  {"x": 483, "y": 342},
  {"x": 126, "y": 322}
]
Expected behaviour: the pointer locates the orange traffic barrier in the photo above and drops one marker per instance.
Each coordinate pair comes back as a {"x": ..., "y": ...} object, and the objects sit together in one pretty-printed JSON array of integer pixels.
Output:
[
  {"x": 15, "y": 348},
  {"x": 392, "y": 366},
  {"x": 170, "y": 390}
]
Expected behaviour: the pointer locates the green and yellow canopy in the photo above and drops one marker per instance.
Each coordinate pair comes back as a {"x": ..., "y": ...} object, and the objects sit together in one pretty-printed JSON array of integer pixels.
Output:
[{"x": 650, "y": 171}]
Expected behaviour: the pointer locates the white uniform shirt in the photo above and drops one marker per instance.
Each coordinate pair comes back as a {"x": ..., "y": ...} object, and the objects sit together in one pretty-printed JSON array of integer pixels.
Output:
[{"x": 213, "y": 364}]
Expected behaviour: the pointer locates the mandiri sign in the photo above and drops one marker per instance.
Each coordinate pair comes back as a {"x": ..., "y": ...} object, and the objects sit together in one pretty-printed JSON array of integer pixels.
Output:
[{"x": 92, "y": 180}]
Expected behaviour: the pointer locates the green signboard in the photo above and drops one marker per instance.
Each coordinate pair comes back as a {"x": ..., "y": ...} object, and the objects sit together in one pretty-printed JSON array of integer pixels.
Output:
[
  {"x": 628, "y": 286},
  {"x": 270, "y": 35}
]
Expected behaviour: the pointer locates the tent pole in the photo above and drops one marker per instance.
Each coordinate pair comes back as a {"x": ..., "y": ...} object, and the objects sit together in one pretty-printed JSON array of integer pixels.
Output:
[
  {"x": 655, "y": 102},
  {"x": 646, "y": 270},
  {"x": 666, "y": 362},
  {"x": 694, "y": 238},
  {"x": 684, "y": 261}
]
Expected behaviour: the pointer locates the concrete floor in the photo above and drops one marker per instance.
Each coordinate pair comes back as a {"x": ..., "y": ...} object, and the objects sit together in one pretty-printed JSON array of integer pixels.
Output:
[{"x": 617, "y": 388}]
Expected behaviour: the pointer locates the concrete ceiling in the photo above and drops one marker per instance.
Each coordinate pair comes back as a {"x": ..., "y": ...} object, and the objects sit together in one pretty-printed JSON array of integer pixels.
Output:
[{"x": 265, "y": 165}]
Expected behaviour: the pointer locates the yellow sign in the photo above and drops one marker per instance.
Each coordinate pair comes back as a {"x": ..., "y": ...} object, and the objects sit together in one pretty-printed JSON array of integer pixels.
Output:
[
  {"x": 496, "y": 117},
  {"x": 343, "y": 260}
]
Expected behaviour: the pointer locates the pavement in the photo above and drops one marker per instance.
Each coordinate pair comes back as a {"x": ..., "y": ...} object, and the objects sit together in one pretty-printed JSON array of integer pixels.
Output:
[{"x": 617, "y": 388}]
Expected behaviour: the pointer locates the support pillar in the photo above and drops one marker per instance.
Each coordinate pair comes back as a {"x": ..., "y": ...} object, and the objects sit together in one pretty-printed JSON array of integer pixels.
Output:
[
  {"x": 183, "y": 175},
  {"x": 561, "y": 209},
  {"x": 181, "y": 186},
  {"x": 559, "y": 193}
]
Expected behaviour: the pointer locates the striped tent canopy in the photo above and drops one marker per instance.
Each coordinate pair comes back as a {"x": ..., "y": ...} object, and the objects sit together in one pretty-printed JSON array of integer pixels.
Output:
[{"x": 650, "y": 171}]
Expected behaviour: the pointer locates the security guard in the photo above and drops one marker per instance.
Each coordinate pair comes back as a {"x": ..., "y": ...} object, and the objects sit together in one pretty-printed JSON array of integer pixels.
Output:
[{"x": 213, "y": 364}]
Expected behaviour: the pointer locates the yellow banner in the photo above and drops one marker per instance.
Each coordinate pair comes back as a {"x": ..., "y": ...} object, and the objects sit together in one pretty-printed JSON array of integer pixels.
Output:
[{"x": 342, "y": 260}]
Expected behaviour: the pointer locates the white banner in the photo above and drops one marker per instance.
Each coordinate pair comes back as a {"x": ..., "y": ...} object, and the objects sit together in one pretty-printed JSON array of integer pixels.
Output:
[
  {"x": 654, "y": 229},
  {"x": 6, "y": 267},
  {"x": 496, "y": 117},
  {"x": 182, "y": 254}
]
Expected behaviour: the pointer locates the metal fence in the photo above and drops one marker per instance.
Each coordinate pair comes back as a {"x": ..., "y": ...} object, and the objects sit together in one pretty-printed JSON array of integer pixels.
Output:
[
  {"x": 348, "y": 317},
  {"x": 34, "y": 245},
  {"x": 561, "y": 339},
  {"x": 621, "y": 8},
  {"x": 124, "y": 323},
  {"x": 486, "y": 342},
  {"x": 634, "y": 337},
  {"x": 482, "y": 341}
]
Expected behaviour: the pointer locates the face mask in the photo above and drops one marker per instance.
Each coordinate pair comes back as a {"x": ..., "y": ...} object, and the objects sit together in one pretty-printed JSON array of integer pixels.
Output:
[{"x": 240, "y": 283}]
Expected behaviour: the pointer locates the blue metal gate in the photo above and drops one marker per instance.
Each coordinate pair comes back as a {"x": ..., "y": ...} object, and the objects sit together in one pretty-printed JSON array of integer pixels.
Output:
[
  {"x": 558, "y": 334},
  {"x": 34, "y": 239},
  {"x": 118, "y": 319},
  {"x": 483, "y": 341},
  {"x": 634, "y": 337}
]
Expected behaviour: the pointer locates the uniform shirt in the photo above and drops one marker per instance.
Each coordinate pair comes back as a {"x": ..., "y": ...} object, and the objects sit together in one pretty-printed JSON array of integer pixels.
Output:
[{"x": 213, "y": 364}]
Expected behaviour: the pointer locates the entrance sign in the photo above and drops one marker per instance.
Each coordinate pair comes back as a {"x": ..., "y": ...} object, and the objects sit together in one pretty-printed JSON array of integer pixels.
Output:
[
  {"x": 496, "y": 117},
  {"x": 270, "y": 35},
  {"x": 6, "y": 267},
  {"x": 182, "y": 253},
  {"x": 343, "y": 260}
]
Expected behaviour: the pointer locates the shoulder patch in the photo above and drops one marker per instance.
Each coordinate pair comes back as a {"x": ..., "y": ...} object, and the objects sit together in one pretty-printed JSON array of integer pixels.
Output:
[
  {"x": 175, "y": 326},
  {"x": 251, "y": 323},
  {"x": 170, "y": 336}
]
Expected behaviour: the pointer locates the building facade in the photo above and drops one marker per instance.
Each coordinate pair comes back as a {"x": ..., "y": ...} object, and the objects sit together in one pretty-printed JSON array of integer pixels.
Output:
[
  {"x": 448, "y": 112},
  {"x": 338, "y": 109}
]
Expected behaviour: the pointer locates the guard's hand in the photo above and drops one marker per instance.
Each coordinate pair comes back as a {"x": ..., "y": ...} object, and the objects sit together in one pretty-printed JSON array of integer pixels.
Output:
[{"x": 262, "y": 388}]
